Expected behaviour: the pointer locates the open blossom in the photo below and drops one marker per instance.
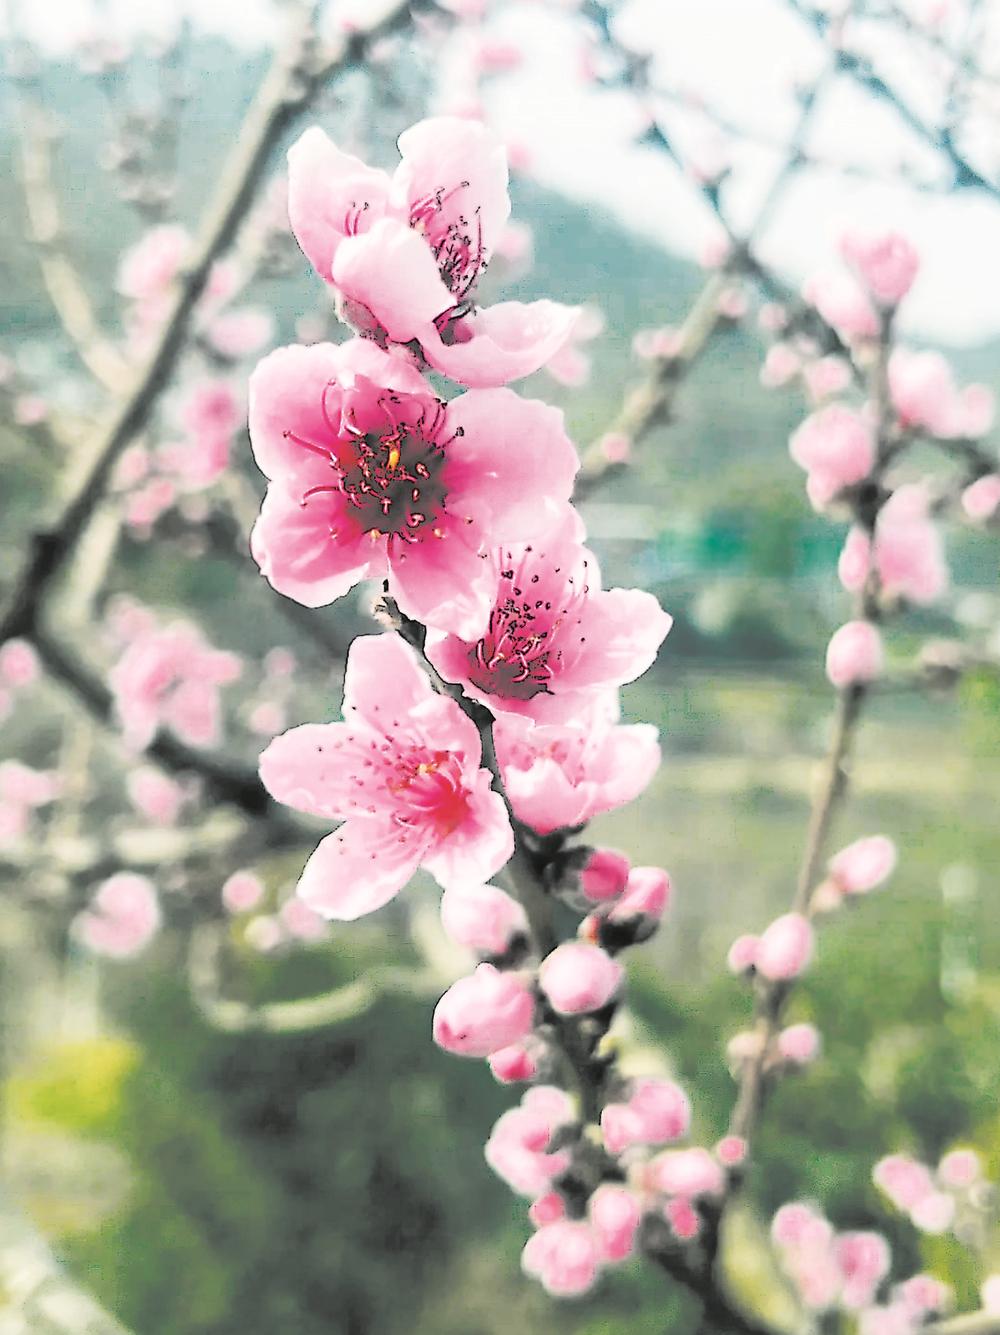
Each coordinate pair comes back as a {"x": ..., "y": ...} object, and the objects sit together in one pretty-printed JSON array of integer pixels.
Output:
[
  {"x": 518, "y": 1147},
  {"x": 925, "y": 396},
  {"x": 842, "y": 302},
  {"x": 558, "y": 775},
  {"x": 836, "y": 447},
  {"x": 170, "y": 677},
  {"x": 406, "y": 252},
  {"x": 123, "y": 916},
  {"x": 553, "y": 634},
  {"x": 483, "y": 1013},
  {"x": 403, "y": 773},
  {"x": 372, "y": 475},
  {"x": 908, "y": 551}
]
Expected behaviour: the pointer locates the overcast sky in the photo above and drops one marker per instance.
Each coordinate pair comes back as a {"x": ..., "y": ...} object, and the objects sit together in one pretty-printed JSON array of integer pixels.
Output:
[{"x": 739, "y": 55}]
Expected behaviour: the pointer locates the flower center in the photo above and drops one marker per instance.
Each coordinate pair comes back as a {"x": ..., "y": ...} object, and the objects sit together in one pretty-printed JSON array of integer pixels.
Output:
[
  {"x": 456, "y": 241},
  {"x": 391, "y": 476},
  {"x": 430, "y": 790},
  {"x": 521, "y": 652}
]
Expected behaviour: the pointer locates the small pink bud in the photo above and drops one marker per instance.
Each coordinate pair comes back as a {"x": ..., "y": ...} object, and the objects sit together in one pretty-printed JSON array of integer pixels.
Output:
[
  {"x": 786, "y": 948},
  {"x": 616, "y": 447},
  {"x": 836, "y": 447},
  {"x": 934, "y": 1213},
  {"x": 564, "y": 1257},
  {"x": 302, "y": 922},
  {"x": 794, "y": 1223},
  {"x": 547, "y": 1209},
  {"x": 923, "y": 1294},
  {"x": 663, "y": 1109},
  {"x": 483, "y": 1012},
  {"x": 605, "y": 875},
  {"x": 18, "y": 664},
  {"x": 960, "y": 1168},
  {"x": 863, "y": 1259},
  {"x": 621, "y": 1126},
  {"x": 905, "y": 1181},
  {"x": 854, "y": 654},
  {"x": 481, "y": 917},
  {"x": 743, "y": 954},
  {"x": 799, "y": 1043},
  {"x": 647, "y": 894},
  {"x": 683, "y": 1219},
  {"x": 980, "y": 500},
  {"x": 689, "y": 1173},
  {"x": 614, "y": 1216},
  {"x": 578, "y": 977},
  {"x": 863, "y": 865},
  {"x": 731, "y": 1151},
  {"x": 513, "y": 1064},
  {"x": 242, "y": 892},
  {"x": 977, "y": 410},
  {"x": 780, "y": 365}
]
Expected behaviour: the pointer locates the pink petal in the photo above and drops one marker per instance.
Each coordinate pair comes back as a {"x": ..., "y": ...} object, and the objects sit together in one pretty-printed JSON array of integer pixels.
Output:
[
  {"x": 442, "y": 581},
  {"x": 502, "y": 343},
  {"x": 305, "y": 768},
  {"x": 384, "y": 678},
  {"x": 286, "y": 395},
  {"x": 624, "y": 631},
  {"x": 392, "y": 271},
  {"x": 359, "y": 868},
  {"x": 330, "y": 195},
  {"x": 512, "y": 467},
  {"x": 300, "y": 555}
]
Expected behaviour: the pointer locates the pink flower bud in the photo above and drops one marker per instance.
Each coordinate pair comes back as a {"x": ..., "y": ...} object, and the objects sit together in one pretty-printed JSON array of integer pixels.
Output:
[
  {"x": 743, "y": 954},
  {"x": 794, "y": 1225},
  {"x": 863, "y": 1259},
  {"x": 621, "y": 1126},
  {"x": 605, "y": 875},
  {"x": 663, "y": 1109},
  {"x": 547, "y": 1209},
  {"x": 483, "y": 1012},
  {"x": 934, "y": 1213},
  {"x": 577, "y": 977},
  {"x": 836, "y": 447},
  {"x": 905, "y": 1181},
  {"x": 242, "y": 892},
  {"x": 959, "y": 1169},
  {"x": 154, "y": 795},
  {"x": 616, "y": 447},
  {"x": 979, "y": 501},
  {"x": 825, "y": 377},
  {"x": 854, "y": 654},
  {"x": 647, "y": 894},
  {"x": 863, "y": 865},
  {"x": 517, "y": 1149},
  {"x": 18, "y": 664},
  {"x": 855, "y": 559},
  {"x": 780, "y": 365},
  {"x": 786, "y": 948},
  {"x": 799, "y": 1043},
  {"x": 886, "y": 263},
  {"x": 976, "y": 410},
  {"x": 513, "y": 1064},
  {"x": 123, "y": 918},
  {"x": 683, "y": 1219},
  {"x": 689, "y": 1173},
  {"x": 843, "y": 303},
  {"x": 481, "y": 917},
  {"x": 300, "y": 921},
  {"x": 614, "y": 1217},
  {"x": 731, "y": 1151},
  {"x": 564, "y": 1257},
  {"x": 923, "y": 1294}
]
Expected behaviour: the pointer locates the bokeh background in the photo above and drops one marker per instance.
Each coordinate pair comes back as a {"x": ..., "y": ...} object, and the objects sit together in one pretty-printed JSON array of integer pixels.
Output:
[{"x": 199, "y": 1182}]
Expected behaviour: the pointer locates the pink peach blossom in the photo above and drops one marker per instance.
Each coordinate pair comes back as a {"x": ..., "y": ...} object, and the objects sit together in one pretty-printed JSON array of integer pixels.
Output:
[
  {"x": 843, "y": 303},
  {"x": 863, "y": 1259},
  {"x": 481, "y": 917},
  {"x": 548, "y": 1209},
  {"x": 514, "y": 1063},
  {"x": 854, "y": 654},
  {"x": 517, "y": 1149},
  {"x": 300, "y": 921},
  {"x": 18, "y": 664},
  {"x": 565, "y": 1257},
  {"x": 155, "y": 795},
  {"x": 371, "y": 474},
  {"x": 924, "y": 393},
  {"x": 799, "y": 1043},
  {"x": 123, "y": 917},
  {"x": 559, "y": 775},
  {"x": 614, "y": 1214},
  {"x": 981, "y": 499},
  {"x": 403, "y": 773},
  {"x": 863, "y": 865},
  {"x": 959, "y": 1169},
  {"x": 904, "y": 1180},
  {"x": 886, "y": 262},
  {"x": 781, "y": 365},
  {"x": 149, "y": 267},
  {"x": 577, "y": 977},
  {"x": 242, "y": 892},
  {"x": 570, "y": 365},
  {"x": 689, "y": 1173},
  {"x": 241, "y": 332},
  {"x": 553, "y": 634},
  {"x": 836, "y": 448},
  {"x": 405, "y": 252},
  {"x": 826, "y": 376},
  {"x": 655, "y": 1113},
  {"x": 924, "y": 1294},
  {"x": 743, "y": 953},
  {"x": 933, "y": 1213},
  {"x": 731, "y": 1151},
  {"x": 908, "y": 550},
  {"x": 786, "y": 948},
  {"x": 486, "y": 1011},
  {"x": 604, "y": 875},
  {"x": 170, "y": 678},
  {"x": 647, "y": 895},
  {"x": 682, "y": 1218}
]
